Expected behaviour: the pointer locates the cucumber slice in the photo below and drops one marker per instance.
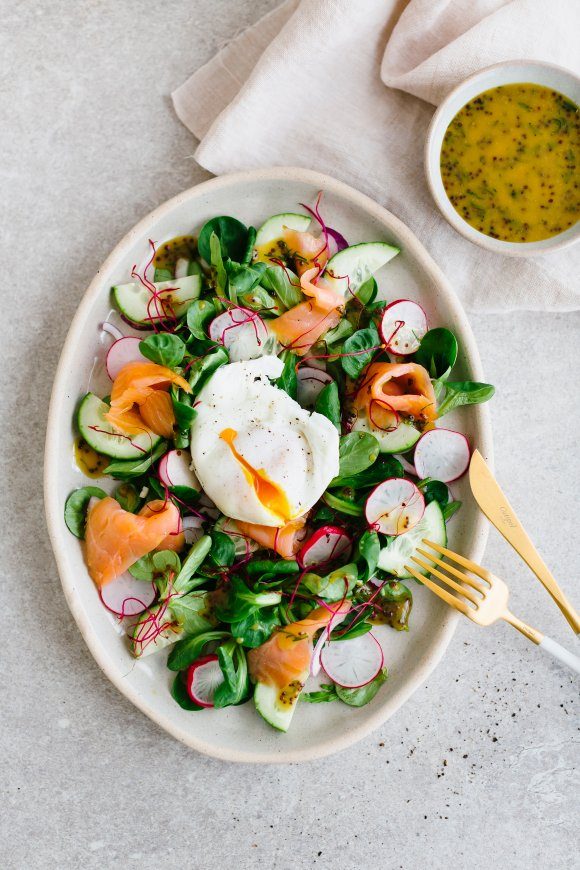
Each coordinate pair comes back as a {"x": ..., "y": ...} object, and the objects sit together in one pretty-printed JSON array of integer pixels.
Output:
[
  {"x": 266, "y": 699},
  {"x": 357, "y": 263},
  {"x": 397, "y": 553},
  {"x": 274, "y": 227},
  {"x": 134, "y": 300},
  {"x": 399, "y": 440},
  {"x": 107, "y": 439}
]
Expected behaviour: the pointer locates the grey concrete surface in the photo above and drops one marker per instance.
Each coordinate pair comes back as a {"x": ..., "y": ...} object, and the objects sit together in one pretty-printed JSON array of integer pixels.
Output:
[{"x": 478, "y": 769}]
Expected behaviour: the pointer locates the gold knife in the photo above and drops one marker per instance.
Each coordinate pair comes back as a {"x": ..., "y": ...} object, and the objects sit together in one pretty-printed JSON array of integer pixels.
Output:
[{"x": 498, "y": 510}]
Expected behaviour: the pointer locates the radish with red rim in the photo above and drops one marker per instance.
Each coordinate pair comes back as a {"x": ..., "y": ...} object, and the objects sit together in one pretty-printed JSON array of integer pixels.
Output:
[
  {"x": 394, "y": 506},
  {"x": 127, "y": 596},
  {"x": 242, "y": 332},
  {"x": 353, "y": 663},
  {"x": 324, "y": 546},
  {"x": 403, "y": 325},
  {"x": 442, "y": 454},
  {"x": 337, "y": 617},
  {"x": 311, "y": 381},
  {"x": 123, "y": 351},
  {"x": 203, "y": 678},
  {"x": 175, "y": 470}
]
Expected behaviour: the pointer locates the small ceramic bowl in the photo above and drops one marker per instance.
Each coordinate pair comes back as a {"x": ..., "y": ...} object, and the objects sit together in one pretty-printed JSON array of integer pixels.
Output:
[{"x": 510, "y": 72}]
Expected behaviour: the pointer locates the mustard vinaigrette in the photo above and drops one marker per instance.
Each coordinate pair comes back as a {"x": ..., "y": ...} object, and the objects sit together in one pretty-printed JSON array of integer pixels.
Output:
[{"x": 509, "y": 163}]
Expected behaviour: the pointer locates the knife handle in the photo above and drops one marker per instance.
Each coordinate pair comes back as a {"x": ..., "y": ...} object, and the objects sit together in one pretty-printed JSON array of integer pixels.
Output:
[{"x": 534, "y": 561}]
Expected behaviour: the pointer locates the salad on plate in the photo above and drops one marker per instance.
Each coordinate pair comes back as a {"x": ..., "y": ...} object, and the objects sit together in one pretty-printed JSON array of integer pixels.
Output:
[{"x": 275, "y": 453}]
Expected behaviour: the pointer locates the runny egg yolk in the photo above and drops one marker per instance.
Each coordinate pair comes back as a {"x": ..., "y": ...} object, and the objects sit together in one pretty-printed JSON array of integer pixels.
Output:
[{"x": 269, "y": 493}]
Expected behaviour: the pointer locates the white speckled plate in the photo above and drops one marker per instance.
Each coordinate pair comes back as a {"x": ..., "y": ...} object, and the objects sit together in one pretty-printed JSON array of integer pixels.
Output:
[{"x": 238, "y": 733}]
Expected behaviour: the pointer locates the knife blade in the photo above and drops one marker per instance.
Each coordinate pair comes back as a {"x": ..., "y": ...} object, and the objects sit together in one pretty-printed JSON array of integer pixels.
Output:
[{"x": 501, "y": 514}]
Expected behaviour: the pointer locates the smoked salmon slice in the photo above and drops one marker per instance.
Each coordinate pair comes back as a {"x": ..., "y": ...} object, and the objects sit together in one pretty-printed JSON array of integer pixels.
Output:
[
  {"x": 116, "y": 538},
  {"x": 404, "y": 387},
  {"x": 284, "y": 659},
  {"x": 301, "y": 327},
  {"x": 285, "y": 541},
  {"x": 175, "y": 540},
  {"x": 140, "y": 401}
]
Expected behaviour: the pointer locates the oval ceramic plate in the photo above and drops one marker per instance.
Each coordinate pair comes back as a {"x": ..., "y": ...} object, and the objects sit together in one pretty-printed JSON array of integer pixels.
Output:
[{"x": 238, "y": 733}]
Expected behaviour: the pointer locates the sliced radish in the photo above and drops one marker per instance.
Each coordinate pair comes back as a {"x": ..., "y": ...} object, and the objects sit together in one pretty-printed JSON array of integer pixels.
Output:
[
  {"x": 174, "y": 470},
  {"x": 127, "y": 596},
  {"x": 242, "y": 332},
  {"x": 353, "y": 663},
  {"x": 442, "y": 454},
  {"x": 203, "y": 678},
  {"x": 192, "y": 529},
  {"x": 310, "y": 382},
  {"x": 394, "y": 506},
  {"x": 325, "y": 545},
  {"x": 403, "y": 325},
  {"x": 121, "y": 352},
  {"x": 407, "y": 466},
  {"x": 324, "y": 638}
]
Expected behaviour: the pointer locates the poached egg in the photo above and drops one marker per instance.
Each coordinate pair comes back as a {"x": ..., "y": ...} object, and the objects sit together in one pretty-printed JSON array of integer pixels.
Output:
[{"x": 260, "y": 456}]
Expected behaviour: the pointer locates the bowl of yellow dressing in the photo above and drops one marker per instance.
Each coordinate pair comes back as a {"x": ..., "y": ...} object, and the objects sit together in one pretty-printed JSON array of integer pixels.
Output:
[{"x": 502, "y": 158}]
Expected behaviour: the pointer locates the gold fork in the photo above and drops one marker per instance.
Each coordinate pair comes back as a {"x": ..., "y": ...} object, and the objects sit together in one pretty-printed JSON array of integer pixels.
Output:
[{"x": 482, "y": 602}]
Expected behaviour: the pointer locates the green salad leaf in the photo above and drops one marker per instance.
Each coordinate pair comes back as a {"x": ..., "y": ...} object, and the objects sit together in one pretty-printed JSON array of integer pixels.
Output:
[
  {"x": 356, "y": 452},
  {"x": 383, "y": 468},
  {"x": 185, "y": 580},
  {"x": 179, "y": 694},
  {"x": 232, "y": 236},
  {"x": 284, "y": 283},
  {"x": 236, "y": 686},
  {"x": 127, "y": 469},
  {"x": 361, "y": 696},
  {"x": 188, "y": 649},
  {"x": 237, "y": 601},
  {"x": 437, "y": 352},
  {"x": 128, "y": 497},
  {"x": 328, "y": 403},
  {"x": 202, "y": 369},
  {"x": 163, "y": 348},
  {"x": 360, "y": 346},
  {"x": 288, "y": 380},
  {"x": 464, "y": 393},
  {"x": 199, "y": 314},
  {"x": 335, "y": 586},
  {"x": 192, "y": 612},
  {"x": 326, "y": 693},
  {"x": 223, "y": 549},
  {"x": 75, "y": 509},
  {"x": 256, "y": 628},
  {"x": 368, "y": 551}
]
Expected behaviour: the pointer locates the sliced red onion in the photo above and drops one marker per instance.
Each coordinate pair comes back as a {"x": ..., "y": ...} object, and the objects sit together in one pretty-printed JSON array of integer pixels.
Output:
[
  {"x": 113, "y": 330},
  {"x": 336, "y": 242}
]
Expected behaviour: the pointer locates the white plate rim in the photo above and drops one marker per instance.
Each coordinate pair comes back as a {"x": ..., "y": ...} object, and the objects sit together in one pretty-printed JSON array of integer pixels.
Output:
[{"x": 53, "y": 507}]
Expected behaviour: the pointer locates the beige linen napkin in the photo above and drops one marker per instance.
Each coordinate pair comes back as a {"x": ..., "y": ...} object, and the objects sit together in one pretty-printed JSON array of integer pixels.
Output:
[{"x": 347, "y": 87}]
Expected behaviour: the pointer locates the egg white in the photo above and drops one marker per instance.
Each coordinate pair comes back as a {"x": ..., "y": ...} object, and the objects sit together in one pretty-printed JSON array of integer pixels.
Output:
[{"x": 297, "y": 449}]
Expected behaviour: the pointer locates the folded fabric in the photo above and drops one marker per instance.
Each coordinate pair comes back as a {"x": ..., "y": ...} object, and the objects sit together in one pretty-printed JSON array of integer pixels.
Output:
[{"x": 348, "y": 88}]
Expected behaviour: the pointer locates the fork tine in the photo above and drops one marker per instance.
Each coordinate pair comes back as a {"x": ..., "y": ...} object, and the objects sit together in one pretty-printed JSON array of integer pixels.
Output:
[
  {"x": 461, "y": 560},
  {"x": 467, "y": 593},
  {"x": 465, "y": 578},
  {"x": 441, "y": 593}
]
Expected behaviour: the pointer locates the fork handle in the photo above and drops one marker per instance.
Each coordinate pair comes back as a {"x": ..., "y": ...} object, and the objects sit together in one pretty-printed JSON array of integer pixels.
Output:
[
  {"x": 543, "y": 642},
  {"x": 559, "y": 652}
]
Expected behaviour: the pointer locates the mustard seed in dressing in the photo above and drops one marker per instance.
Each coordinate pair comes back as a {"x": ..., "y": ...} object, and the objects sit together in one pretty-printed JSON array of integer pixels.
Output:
[{"x": 509, "y": 163}]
